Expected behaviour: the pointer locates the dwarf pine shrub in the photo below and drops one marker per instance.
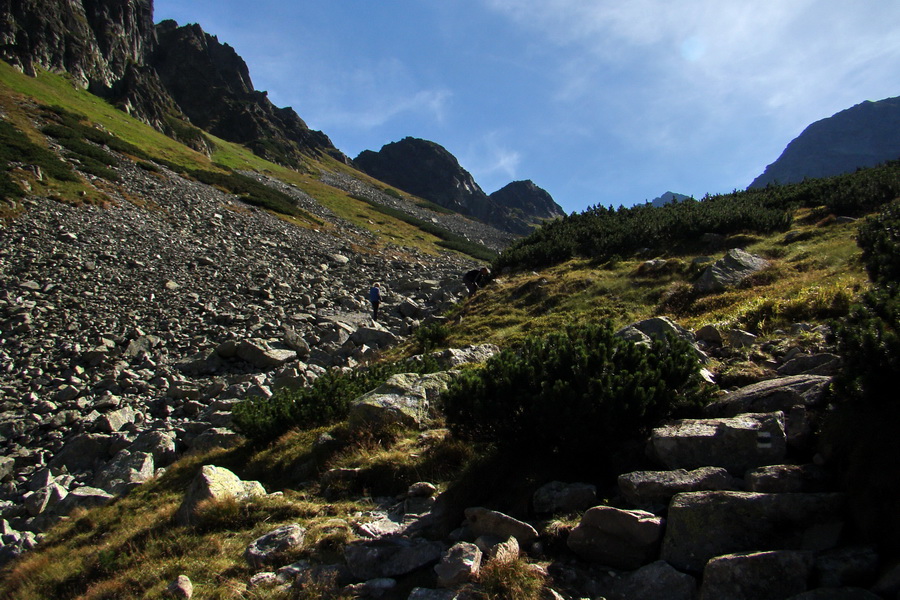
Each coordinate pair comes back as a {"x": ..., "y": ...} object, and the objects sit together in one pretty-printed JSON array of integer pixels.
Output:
[
  {"x": 868, "y": 340},
  {"x": 583, "y": 389},
  {"x": 326, "y": 401}
]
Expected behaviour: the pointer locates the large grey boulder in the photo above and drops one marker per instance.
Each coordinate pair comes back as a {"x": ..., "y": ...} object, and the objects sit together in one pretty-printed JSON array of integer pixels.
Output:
[
  {"x": 656, "y": 581},
  {"x": 736, "y": 266},
  {"x": 484, "y": 522},
  {"x": 652, "y": 490},
  {"x": 214, "y": 483},
  {"x": 560, "y": 497},
  {"x": 787, "y": 479},
  {"x": 736, "y": 443},
  {"x": 454, "y": 357},
  {"x": 160, "y": 444},
  {"x": 702, "y": 525},
  {"x": 405, "y": 399},
  {"x": 374, "y": 337},
  {"x": 83, "y": 452},
  {"x": 262, "y": 355},
  {"x": 390, "y": 557},
  {"x": 459, "y": 565},
  {"x": 623, "y": 539},
  {"x": 771, "y": 395},
  {"x": 124, "y": 471},
  {"x": 267, "y": 549},
  {"x": 774, "y": 574},
  {"x": 115, "y": 420},
  {"x": 84, "y": 497}
]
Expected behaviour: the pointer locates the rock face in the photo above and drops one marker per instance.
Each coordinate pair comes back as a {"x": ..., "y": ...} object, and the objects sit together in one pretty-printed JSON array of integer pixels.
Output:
[
  {"x": 864, "y": 135},
  {"x": 211, "y": 85},
  {"x": 156, "y": 73},
  {"x": 428, "y": 170}
]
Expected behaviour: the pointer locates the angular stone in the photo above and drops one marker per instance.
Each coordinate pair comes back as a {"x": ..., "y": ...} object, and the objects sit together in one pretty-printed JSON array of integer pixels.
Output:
[
  {"x": 267, "y": 549},
  {"x": 180, "y": 588},
  {"x": 557, "y": 496},
  {"x": 774, "y": 574},
  {"x": 214, "y": 483},
  {"x": 390, "y": 557},
  {"x": 656, "y": 581},
  {"x": 702, "y": 525},
  {"x": 652, "y": 490},
  {"x": 481, "y": 521},
  {"x": 262, "y": 356},
  {"x": 405, "y": 399},
  {"x": 736, "y": 266},
  {"x": 125, "y": 470},
  {"x": 459, "y": 565},
  {"x": 787, "y": 479},
  {"x": 771, "y": 395},
  {"x": 736, "y": 443},
  {"x": 454, "y": 357},
  {"x": 115, "y": 420},
  {"x": 84, "y": 497},
  {"x": 623, "y": 539}
]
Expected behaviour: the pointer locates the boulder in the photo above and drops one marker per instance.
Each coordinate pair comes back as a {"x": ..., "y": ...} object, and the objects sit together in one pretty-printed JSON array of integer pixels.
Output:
[
  {"x": 454, "y": 357},
  {"x": 125, "y": 470},
  {"x": 774, "y": 574},
  {"x": 482, "y": 521},
  {"x": 556, "y": 497},
  {"x": 702, "y": 525},
  {"x": 180, "y": 588},
  {"x": 115, "y": 420},
  {"x": 850, "y": 566},
  {"x": 390, "y": 557},
  {"x": 772, "y": 395},
  {"x": 83, "y": 452},
  {"x": 405, "y": 399},
  {"x": 262, "y": 356},
  {"x": 374, "y": 337},
  {"x": 811, "y": 364},
  {"x": 269, "y": 548},
  {"x": 623, "y": 539},
  {"x": 214, "y": 483},
  {"x": 215, "y": 437},
  {"x": 736, "y": 266},
  {"x": 84, "y": 497},
  {"x": 45, "y": 499},
  {"x": 787, "y": 479},
  {"x": 736, "y": 443},
  {"x": 160, "y": 444},
  {"x": 652, "y": 490},
  {"x": 656, "y": 581},
  {"x": 459, "y": 565}
]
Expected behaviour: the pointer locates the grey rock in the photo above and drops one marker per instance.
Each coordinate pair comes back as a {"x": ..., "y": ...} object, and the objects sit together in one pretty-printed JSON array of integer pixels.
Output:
[
  {"x": 558, "y": 496},
  {"x": 702, "y": 525},
  {"x": 656, "y": 581},
  {"x": 180, "y": 588},
  {"x": 84, "y": 497},
  {"x": 787, "y": 479},
  {"x": 735, "y": 443},
  {"x": 267, "y": 549},
  {"x": 215, "y": 483},
  {"x": 652, "y": 490},
  {"x": 261, "y": 355},
  {"x": 404, "y": 399},
  {"x": 390, "y": 557},
  {"x": 623, "y": 539},
  {"x": 774, "y": 574},
  {"x": 736, "y": 266},
  {"x": 772, "y": 395},
  {"x": 482, "y": 521},
  {"x": 459, "y": 565}
]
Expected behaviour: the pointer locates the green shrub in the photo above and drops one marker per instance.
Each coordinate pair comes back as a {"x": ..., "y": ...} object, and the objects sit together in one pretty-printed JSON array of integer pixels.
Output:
[
  {"x": 326, "y": 401},
  {"x": 582, "y": 389},
  {"x": 431, "y": 336},
  {"x": 15, "y": 147}
]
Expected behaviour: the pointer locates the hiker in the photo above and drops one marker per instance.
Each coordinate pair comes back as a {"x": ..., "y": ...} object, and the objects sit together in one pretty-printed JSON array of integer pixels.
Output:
[
  {"x": 475, "y": 279},
  {"x": 375, "y": 299}
]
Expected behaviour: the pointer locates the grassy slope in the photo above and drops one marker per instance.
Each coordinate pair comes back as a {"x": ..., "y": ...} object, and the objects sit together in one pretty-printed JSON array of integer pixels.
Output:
[{"x": 55, "y": 90}]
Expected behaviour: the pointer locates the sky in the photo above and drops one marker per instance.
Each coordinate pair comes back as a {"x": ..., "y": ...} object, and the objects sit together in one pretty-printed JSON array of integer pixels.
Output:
[{"x": 608, "y": 102}]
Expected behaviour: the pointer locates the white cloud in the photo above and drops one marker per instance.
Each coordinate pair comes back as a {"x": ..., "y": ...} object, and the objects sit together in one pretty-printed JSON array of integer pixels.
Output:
[{"x": 491, "y": 162}]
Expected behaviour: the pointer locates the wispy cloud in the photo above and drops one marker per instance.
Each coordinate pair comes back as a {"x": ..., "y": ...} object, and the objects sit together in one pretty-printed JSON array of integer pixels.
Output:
[{"x": 491, "y": 161}]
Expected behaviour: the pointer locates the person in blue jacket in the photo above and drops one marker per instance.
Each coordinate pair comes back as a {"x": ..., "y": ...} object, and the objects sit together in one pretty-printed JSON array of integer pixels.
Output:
[{"x": 375, "y": 299}]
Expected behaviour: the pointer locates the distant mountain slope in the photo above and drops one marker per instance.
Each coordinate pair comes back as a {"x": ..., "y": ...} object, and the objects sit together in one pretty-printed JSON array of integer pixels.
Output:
[
  {"x": 667, "y": 198},
  {"x": 862, "y": 136},
  {"x": 428, "y": 170}
]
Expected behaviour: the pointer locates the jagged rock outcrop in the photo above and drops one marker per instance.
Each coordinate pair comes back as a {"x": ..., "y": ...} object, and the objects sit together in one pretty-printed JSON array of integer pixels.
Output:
[
  {"x": 157, "y": 74},
  {"x": 864, "y": 135},
  {"x": 211, "y": 84},
  {"x": 428, "y": 170}
]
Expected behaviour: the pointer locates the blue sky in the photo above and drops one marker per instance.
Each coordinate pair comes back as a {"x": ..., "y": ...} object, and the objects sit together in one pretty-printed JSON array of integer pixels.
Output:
[{"x": 597, "y": 101}]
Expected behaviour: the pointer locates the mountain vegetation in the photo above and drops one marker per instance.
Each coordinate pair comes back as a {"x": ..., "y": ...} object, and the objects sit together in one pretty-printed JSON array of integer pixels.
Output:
[{"x": 204, "y": 291}]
